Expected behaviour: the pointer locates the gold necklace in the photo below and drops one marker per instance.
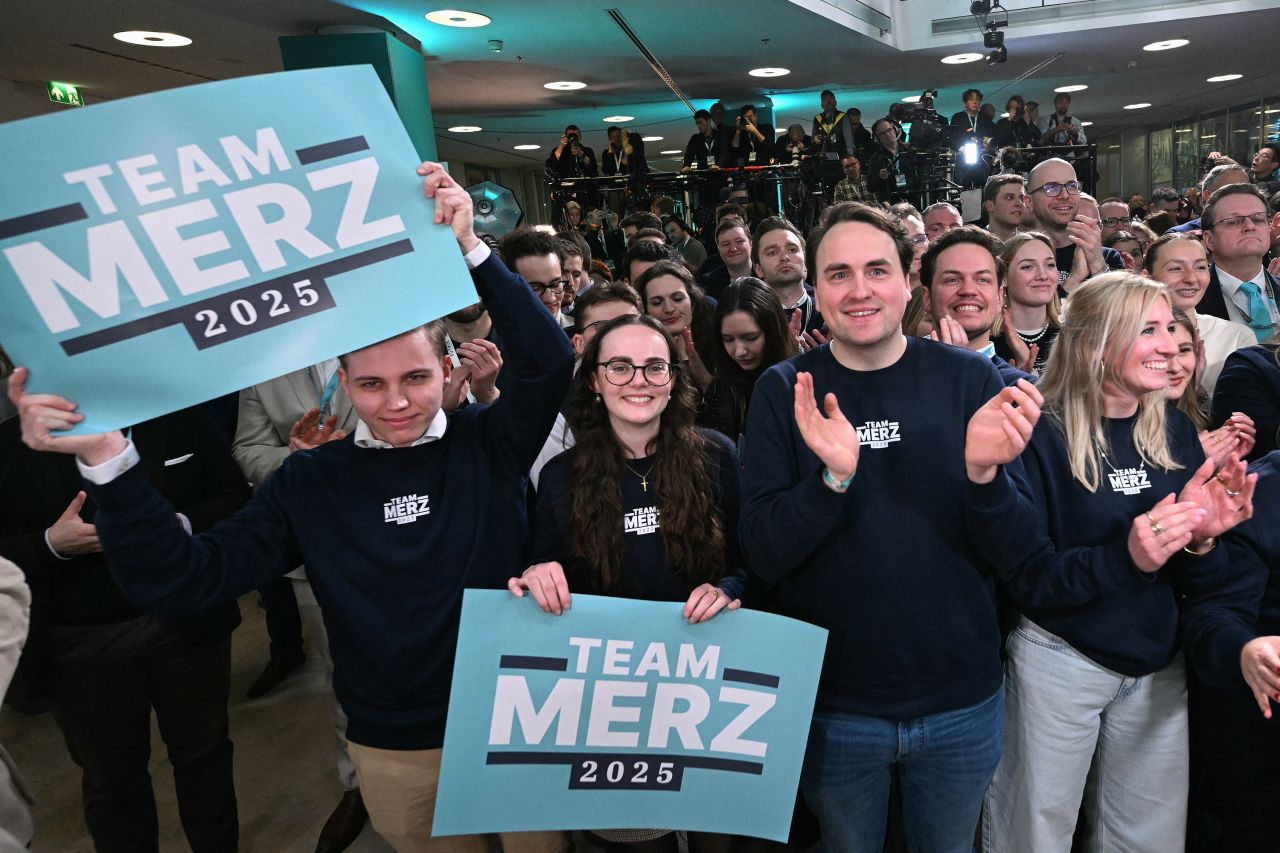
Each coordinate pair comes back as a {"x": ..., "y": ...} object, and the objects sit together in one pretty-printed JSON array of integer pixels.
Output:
[{"x": 644, "y": 478}]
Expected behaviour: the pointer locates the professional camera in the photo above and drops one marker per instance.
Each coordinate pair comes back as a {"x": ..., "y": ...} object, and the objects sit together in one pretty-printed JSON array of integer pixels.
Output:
[{"x": 926, "y": 125}]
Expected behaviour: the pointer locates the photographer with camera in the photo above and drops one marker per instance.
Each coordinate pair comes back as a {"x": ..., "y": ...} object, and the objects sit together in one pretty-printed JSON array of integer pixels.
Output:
[
  {"x": 1016, "y": 130},
  {"x": 572, "y": 159},
  {"x": 751, "y": 143}
]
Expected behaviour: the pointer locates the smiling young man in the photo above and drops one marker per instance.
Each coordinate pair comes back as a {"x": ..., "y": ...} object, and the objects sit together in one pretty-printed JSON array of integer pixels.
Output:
[
  {"x": 733, "y": 242},
  {"x": 392, "y": 523},
  {"x": 857, "y": 522},
  {"x": 1055, "y": 191}
]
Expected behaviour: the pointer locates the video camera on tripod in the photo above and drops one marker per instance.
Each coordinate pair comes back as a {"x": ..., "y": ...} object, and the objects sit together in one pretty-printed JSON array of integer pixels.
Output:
[{"x": 927, "y": 127}]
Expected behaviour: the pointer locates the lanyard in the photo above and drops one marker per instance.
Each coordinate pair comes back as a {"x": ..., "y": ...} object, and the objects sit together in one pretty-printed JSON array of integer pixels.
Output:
[
  {"x": 327, "y": 396},
  {"x": 617, "y": 162}
]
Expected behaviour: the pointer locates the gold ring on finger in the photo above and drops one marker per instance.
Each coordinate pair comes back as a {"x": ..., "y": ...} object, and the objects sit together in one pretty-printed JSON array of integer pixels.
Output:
[
  {"x": 1156, "y": 528},
  {"x": 1230, "y": 493}
]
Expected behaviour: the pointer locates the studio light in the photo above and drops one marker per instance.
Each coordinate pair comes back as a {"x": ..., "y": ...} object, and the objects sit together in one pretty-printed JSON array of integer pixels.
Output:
[{"x": 997, "y": 56}]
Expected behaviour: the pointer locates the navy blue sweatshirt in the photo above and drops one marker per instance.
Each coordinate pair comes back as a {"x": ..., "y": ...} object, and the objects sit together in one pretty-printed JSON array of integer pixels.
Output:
[
  {"x": 1250, "y": 383},
  {"x": 889, "y": 567},
  {"x": 1064, "y": 559},
  {"x": 390, "y": 537},
  {"x": 645, "y": 572},
  {"x": 1248, "y": 602}
]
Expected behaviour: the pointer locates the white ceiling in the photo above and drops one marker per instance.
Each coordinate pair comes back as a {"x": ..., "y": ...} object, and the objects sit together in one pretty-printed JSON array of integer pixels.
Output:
[{"x": 706, "y": 45}]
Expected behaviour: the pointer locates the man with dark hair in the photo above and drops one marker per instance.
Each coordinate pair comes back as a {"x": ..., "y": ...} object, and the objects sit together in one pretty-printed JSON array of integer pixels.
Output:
[
  {"x": 1164, "y": 199},
  {"x": 823, "y": 502},
  {"x": 733, "y": 242},
  {"x": 1004, "y": 198},
  {"x": 963, "y": 278},
  {"x": 1236, "y": 227},
  {"x": 538, "y": 258},
  {"x": 572, "y": 159},
  {"x": 1219, "y": 176},
  {"x": 777, "y": 254},
  {"x": 1265, "y": 168},
  {"x": 1063, "y": 129},
  {"x": 642, "y": 254},
  {"x": 598, "y": 306},
  {"x": 971, "y": 124},
  {"x": 703, "y": 150},
  {"x": 1077, "y": 239},
  {"x": 717, "y": 112},
  {"x": 678, "y": 236},
  {"x": 833, "y": 134},
  {"x": 390, "y": 567},
  {"x": 577, "y": 262},
  {"x": 886, "y": 173},
  {"x": 1016, "y": 130},
  {"x": 750, "y": 144},
  {"x": 656, "y": 235},
  {"x": 635, "y": 221}
]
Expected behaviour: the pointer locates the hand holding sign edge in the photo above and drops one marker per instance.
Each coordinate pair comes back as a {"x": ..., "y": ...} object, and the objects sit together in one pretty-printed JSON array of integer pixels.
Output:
[{"x": 43, "y": 414}]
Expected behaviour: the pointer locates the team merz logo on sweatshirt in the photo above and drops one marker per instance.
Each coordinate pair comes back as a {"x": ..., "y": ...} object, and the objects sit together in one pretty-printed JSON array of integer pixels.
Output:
[
  {"x": 878, "y": 434},
  {"x": 406, "y": 509},
  {"x": 641, "y": 520},
  {"x": 1129, "y": 481}
]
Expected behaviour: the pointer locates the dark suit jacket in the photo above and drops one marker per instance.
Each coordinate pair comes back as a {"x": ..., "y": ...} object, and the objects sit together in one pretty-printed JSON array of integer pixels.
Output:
[
  {"x": 1214, "y": 302},
  {"x": 186, "y": 460}
]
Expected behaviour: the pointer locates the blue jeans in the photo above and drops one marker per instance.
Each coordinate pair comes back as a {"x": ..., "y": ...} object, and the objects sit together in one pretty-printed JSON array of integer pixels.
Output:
[{"x": 945, "y": 762}]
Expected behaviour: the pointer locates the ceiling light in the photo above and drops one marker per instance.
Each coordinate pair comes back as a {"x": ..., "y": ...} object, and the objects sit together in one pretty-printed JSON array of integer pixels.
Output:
[
  {"x": 614, "y": 119},
  {"x": 1167, "y": 44},
  {"x": 911, "y": 99},
  {"x": 651, "y": 139},
  {"x": 147, "y": 39},
  {"x": 565, "y": 85},
  {"x": 1136, "y": 106},
  {"x": 961, "y": 58},
  {"x": 1223, "y": 78},
  {"x": 1210, "y": 136},
  {"x": 1074, "y": 87},
  {"x": 769, "y": 72},
  {"x": 465, "y": 128},
  {"x": 1086, "y": 124},
  {"x": 527, "y": 147},
  {"x": 672, "y": 151},
  {"x": 454, "y": 18}
]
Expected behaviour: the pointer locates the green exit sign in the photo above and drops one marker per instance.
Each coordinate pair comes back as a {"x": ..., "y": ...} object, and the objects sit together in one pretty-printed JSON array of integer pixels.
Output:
[{"x": 65, "y": 93}]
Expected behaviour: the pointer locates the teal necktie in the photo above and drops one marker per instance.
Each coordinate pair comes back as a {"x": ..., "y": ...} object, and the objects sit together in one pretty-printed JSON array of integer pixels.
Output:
[{"x": 1259, "y": 314}]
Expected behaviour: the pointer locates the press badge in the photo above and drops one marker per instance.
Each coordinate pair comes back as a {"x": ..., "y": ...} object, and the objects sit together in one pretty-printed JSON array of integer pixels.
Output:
[
  {"x": 711, "y": 161},
  {"x": 901, "y": 181},
  {"x": 751, "y": 157}
]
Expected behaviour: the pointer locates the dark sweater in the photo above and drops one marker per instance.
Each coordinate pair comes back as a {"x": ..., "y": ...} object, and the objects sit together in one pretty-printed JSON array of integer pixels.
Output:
[
  {"x": 1250, "y": 383},
  {"x": 1065, "y": 259},
  {"x": 390, "y": 591},
  {"x": 889, "y": 567},
  {"x": 1064, "y": 557},
  {"x": 645, "y": 572}
]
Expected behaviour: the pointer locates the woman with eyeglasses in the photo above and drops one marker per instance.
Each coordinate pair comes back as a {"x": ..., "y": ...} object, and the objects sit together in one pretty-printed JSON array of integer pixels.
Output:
[
  {"x": 645, "y": 505},
  {"x": 1119, "y": 541},
  {"x": 1180, "y": 262},
  {"x": 1032, "y": 313},
  {"x": 670, "y": 296}
]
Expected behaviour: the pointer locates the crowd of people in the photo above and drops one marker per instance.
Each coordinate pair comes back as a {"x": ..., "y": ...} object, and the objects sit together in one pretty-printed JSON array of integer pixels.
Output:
[{"x": 1023, "y": 474}]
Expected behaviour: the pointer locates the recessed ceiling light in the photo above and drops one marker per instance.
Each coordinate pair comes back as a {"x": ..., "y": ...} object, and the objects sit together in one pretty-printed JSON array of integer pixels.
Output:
[
  {"x": 565, "y": 85},
  {"x": 961, "y": 58},
  {"x": 615, "y": 119},
  {"x": 1074, "y": 87},
  {"x": 1086, "y": 124},
  {"x": 1183, "y": 130},
  {"x": 465, "y": 128},
  {"x": 651, "y": 139},
  {"x": 911, "y": 99},
  {"x": 1223, "y": 78},
  {"x": 454, "y": 18},
  {"x": 527, "y": 147},
  {"x": 147, "y": 39},
  {"x": 769, "y": 72},
  {"x": 1136, "y": 106},
  {"x": 1167, "y": 44},
  {"x": 672, "y": 151}
]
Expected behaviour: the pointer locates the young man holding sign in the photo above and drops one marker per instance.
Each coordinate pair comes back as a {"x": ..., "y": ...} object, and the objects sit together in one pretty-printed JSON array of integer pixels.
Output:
[
  {"x": 859, "y": 521},
  {"x": 392, "y": 525}
]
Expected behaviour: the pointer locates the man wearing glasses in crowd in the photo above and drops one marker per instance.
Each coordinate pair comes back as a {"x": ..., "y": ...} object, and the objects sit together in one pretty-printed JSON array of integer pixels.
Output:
[
  {"x": 1114, "y": 213},
  {"x": 538, "y": 258},
  {"x": 1236, "y": 230},
  {"x": 1055, "y": 199}
]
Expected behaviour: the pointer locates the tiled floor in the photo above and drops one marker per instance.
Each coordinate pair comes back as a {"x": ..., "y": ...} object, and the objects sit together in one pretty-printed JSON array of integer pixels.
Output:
[{"x": 286, "y": 783}]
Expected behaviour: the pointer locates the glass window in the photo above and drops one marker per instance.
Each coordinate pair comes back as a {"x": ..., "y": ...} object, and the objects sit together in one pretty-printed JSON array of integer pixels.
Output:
[
  {"x": 1245, "y": 132},
  {"x": 1186, "y": 165}
]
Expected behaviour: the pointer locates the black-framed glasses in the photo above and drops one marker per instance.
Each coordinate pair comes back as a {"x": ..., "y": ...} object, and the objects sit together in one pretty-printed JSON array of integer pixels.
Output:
[
  {"x": 1259, "y": 219},
  {"x": 620, "y": 372},
  {"x": 556, "y": 286},
  {"x": 1053, "y": 189},
  {"x": 1112, "y": 221}
]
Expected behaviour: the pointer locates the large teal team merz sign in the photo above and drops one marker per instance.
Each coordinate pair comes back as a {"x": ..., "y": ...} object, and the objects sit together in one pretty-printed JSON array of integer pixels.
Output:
[
  {"x": 618, "y": 714},
  {"x": 159, "y": 251}
]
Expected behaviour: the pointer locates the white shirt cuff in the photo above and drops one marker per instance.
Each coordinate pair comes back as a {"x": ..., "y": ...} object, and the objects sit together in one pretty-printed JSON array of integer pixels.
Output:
[
  {"x": 478, "y": 255},
  {"x": 185, "y": 522},
  {"x": 53, "y": 550},
  {"x": 102, "y": 474}
]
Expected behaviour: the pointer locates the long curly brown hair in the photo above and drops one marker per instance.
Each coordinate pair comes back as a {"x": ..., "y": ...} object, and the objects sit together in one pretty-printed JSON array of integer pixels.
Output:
[{"x": 684, "y": 476}]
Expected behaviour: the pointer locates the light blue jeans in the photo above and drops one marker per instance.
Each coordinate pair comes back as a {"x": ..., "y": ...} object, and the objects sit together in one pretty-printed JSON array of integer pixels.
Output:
[
  {"x": 1065, "y": 715},
  {"x": 944, "y": 761}
]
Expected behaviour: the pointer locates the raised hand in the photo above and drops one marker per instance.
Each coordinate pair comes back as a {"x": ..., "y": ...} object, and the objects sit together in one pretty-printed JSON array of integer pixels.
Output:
[
  {"x": 1165, "y": 529},
  {"x": 43, "y": 414},
  {"x": 310, "y": 431},
  {"x": 949, "y": 331},
  {"x": 706, "y": 601},
  {"x": 70, "y": 536},
  {"x": 453, "y": 204},
  {"x": 1260, "y": 666},
  {"x": 484, "y": 361},
  {"x": 1226, "y": 498},
  {"x": 832, "y": 438},
  {"x": 697, "y": 370},
  {"x": 547, "y": 583},
  {"x": 999, "y": 431}
]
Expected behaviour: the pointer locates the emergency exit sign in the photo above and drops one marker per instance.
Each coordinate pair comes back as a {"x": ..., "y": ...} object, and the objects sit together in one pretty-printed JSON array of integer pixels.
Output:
[{"x": 65, "y": 93}]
